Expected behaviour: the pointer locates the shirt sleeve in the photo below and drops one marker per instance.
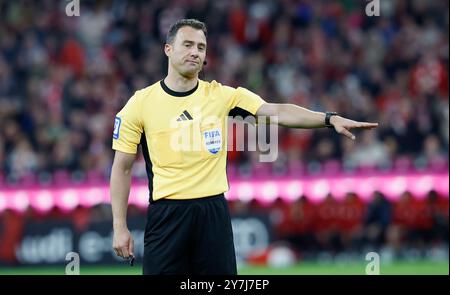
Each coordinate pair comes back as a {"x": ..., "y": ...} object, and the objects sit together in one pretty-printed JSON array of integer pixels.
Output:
[
  {"x": 242, "y": 98},
  {"x": 128, "y": 127}
]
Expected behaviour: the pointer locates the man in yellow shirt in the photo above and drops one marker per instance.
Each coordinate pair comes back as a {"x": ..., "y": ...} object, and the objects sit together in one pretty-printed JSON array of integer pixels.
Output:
[{"x": 180, "y": 122}]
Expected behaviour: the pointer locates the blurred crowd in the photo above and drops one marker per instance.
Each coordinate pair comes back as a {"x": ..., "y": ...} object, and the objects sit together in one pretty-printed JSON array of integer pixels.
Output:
[{"x": 62, "y": 79}]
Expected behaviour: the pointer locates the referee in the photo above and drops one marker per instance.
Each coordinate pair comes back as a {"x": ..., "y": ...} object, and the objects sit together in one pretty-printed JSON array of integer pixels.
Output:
[{"x": 188, "y": 228}]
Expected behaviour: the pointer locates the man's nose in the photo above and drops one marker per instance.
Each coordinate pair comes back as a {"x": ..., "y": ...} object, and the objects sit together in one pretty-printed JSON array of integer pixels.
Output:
[{"x": 194, "y": 52}]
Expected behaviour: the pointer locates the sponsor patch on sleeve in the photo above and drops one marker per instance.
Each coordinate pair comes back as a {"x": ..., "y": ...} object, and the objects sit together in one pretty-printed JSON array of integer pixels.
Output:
[{"x": 117, "y": 122}]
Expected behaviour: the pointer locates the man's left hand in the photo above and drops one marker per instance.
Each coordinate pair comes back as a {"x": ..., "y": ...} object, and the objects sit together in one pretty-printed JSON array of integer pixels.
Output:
[{"x": 343, "y": 125}]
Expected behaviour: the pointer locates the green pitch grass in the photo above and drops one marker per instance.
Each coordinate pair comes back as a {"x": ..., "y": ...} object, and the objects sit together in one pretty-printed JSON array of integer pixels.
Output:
[{"x": 307, "y": 268}]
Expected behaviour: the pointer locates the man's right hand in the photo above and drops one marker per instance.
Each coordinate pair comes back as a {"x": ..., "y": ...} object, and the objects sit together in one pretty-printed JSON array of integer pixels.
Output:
[{"x": 123, "y": 243}]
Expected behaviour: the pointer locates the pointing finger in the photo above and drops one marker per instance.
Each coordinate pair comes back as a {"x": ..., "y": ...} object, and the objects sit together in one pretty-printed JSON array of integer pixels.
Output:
[{"x": 363, "y": 125}]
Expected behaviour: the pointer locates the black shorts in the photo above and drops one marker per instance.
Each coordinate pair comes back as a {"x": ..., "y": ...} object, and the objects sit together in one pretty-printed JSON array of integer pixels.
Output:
[{"x": 189, "y": 237}]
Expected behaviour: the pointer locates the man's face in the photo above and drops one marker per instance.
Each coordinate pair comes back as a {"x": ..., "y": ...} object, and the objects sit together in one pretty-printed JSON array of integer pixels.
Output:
[{"x": 188, "y": 51}]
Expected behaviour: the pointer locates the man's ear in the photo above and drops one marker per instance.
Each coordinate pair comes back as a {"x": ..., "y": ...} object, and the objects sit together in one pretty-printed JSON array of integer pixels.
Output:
[{"x": 167, "y": 49}]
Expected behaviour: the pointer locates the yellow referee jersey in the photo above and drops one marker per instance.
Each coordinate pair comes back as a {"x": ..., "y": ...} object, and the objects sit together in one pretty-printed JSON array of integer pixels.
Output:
[{"x": 183, "y": 136}]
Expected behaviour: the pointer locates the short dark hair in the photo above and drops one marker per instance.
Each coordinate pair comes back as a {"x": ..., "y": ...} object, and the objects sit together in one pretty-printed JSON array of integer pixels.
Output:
[{"x": 196, "y": 24}]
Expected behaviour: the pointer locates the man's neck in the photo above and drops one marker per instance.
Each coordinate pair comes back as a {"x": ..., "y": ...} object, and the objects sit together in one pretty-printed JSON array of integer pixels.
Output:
[{"x": 179, "y": 83}]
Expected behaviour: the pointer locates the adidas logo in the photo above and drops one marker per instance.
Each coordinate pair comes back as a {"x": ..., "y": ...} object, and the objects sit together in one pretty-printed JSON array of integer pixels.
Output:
[{"x": 184, "y": 116}]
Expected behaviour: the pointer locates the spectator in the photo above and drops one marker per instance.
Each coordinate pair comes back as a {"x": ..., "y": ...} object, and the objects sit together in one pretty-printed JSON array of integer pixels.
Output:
[
  {"x": 81, "y": 70},
  {"x": 377, "y": 220}
]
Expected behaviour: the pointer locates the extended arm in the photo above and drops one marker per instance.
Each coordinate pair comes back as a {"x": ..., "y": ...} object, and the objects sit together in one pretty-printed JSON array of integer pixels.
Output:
[{"x": 293, "y": 116}]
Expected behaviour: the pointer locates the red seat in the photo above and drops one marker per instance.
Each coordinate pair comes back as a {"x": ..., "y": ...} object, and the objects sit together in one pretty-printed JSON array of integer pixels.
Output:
[
  {"x": 296, "y": 168},
  {"x": 403, "y": 164},
  {"x": 94, "y": 176},
  {"x": 438, "y": 164},
  {"x": 61, "y": 177},
  {"x": 262, "y": 170},
  {"x": 332, "y": 167},
  {"x": 29, "y": 179}
]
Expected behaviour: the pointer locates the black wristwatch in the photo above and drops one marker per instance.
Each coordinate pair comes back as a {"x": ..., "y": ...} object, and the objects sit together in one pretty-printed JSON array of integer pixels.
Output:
[{"x": 327, "y": 119}]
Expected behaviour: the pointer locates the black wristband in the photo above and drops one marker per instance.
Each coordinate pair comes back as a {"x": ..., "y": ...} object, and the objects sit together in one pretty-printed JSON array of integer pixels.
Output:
[{"x": 327, "y": 119}]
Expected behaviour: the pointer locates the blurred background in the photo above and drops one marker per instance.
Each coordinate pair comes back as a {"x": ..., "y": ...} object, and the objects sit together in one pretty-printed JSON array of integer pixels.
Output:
[{"x": 318, "y": 209}]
